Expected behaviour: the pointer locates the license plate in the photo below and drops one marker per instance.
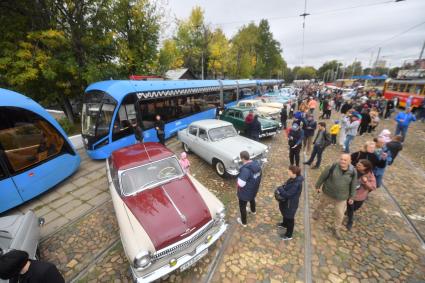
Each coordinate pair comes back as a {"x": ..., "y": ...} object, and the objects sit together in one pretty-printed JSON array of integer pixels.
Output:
[{"x": 193, "y": 260}]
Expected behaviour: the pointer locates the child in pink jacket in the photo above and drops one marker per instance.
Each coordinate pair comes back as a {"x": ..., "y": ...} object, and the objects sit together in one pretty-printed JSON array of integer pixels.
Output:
[{"x": 184, "y": 162}]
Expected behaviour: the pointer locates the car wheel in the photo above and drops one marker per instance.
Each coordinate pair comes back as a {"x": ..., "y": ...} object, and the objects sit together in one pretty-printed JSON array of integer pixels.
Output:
[
  {"x": 186, "y": 148},
  {"x": 219, "y": 168}
]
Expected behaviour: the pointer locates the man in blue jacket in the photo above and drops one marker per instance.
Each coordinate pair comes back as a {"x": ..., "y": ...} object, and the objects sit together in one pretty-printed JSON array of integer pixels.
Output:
[
  {"x": 403, "y": 120},
  {"x": 248, "y": 184}
]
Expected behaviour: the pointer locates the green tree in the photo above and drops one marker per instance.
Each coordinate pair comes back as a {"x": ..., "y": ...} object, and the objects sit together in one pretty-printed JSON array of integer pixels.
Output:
[
  {"x": 169, "y": 56},
  {"x": 328, "y": 70},
  {"x": 219, "y": 52},
  {"x": 243, "y": 52},
  {"x": 305, "y": 73},
  {"x": 269, "y": 61},
  {"x": 393, "y": 72},
  {"x": 192, "y": 40},
  {"x": 136, "y": 34}
]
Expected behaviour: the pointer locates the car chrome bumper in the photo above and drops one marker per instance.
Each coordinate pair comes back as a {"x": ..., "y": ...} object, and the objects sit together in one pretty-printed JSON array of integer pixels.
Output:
[
  {"x": 268, "y": 134},
  {"x": 166, "y": 269}
]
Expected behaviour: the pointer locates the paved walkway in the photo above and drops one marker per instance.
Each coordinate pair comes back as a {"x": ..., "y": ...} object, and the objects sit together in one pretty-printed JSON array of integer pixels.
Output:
[{"x": 83, "y": 239}]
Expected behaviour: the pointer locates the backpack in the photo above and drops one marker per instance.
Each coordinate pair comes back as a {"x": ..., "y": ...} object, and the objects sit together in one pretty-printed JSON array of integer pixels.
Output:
[{"x": 332, "y": 169}]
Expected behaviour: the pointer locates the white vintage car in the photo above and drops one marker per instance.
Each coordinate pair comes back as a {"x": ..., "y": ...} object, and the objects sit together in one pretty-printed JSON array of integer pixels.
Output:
[
  {"x": 264, "y": 109},
  {"x": 167, "y": 219},
  {"x": 219, "y": 144}
]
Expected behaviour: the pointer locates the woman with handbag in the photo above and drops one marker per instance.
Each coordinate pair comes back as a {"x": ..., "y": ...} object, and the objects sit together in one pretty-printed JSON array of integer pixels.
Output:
[{"x": 288, "y": 196}]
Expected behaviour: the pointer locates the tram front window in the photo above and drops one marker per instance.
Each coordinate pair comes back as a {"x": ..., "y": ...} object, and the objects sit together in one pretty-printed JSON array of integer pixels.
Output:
[{"x": 96, "y": 120}]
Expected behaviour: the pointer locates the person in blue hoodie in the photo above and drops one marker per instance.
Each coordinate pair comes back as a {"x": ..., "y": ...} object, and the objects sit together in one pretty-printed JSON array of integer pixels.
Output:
[
  {"x": 290, "y": 191},
  {"x": 248, "y": 184},
  {"x": 403, "y": 120}
]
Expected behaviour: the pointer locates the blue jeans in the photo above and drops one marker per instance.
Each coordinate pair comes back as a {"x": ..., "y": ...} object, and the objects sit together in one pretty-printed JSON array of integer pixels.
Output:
[
  {"x": 401, "y": 129},
  {"x": 348, "y": 140},
  {"x": 317, "y": 150}
]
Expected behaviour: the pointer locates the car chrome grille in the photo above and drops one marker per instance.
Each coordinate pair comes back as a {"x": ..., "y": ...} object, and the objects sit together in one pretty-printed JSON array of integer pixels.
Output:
[{"x": 183, "y": 245}]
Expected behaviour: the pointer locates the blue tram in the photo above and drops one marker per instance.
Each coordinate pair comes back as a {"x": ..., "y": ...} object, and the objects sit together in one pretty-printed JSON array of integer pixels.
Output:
[
  {"x": 111, "y": 109},
  {"x": 35, "y": 153}
]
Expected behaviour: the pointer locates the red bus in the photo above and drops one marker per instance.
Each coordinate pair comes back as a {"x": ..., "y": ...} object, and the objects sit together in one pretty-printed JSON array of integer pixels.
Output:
[{"x": 402, "y": 89}]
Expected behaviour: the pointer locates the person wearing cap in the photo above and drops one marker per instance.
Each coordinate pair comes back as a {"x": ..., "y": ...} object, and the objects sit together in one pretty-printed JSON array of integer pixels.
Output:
[
  {"x": 16, "y": 266},
  {"x": 295, "y": 138},
  {"x": 351, "y": 126}
]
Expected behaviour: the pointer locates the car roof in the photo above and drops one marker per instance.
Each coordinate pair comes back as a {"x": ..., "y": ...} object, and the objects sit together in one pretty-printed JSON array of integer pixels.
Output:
[
  {"x": 243, "y": 109},
  {"x": 210, "y": 123},
  {"x": 139, "y": 154}
]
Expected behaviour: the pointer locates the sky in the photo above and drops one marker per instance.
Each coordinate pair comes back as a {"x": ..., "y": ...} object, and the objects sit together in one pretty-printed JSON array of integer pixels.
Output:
[{"x": 345, "y": 30}]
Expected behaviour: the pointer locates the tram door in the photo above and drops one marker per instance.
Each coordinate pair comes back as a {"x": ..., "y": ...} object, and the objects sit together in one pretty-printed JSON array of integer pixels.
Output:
[
  {"x": 9, "y": 194},
  {"x": 125, "y": 121}
]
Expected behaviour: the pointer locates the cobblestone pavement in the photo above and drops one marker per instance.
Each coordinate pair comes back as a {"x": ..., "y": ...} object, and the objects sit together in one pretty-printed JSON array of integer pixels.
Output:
[
  {"x": 380, "y": 248},
  {"x": 74, "y": 197}
]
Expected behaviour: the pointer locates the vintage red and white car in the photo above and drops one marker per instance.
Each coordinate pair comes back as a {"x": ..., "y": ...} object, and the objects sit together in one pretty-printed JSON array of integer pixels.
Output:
[{"x": 167, "y": 219}]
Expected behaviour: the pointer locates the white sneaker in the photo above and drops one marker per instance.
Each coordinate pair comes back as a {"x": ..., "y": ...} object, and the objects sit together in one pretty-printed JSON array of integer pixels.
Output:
[
  {"x": 284, "y": 238},
  {"x": 253, "y": 213},
  {"x": 240, "y": 222}
]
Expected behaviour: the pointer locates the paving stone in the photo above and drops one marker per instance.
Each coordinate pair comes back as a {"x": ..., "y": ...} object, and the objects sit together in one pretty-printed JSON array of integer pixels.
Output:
[
  {"x": 52, "y": 226},
  {"x": 90, "y": 193},
  {"x": 99, "y": 199},
  {"x": 78, "y": 211},
  {"x": 68, "y": 206},
  {"x": 58, "y": 203},
  {"x": 80, "y": 182}
]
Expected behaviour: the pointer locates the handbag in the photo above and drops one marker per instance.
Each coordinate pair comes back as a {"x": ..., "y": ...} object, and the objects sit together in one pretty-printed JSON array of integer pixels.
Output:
[{"x": 277, "y": 194}]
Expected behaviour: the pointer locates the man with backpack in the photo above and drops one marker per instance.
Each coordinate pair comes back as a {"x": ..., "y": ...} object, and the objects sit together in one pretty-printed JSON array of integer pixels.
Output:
[
  {"x": 321, "y": 141},
  {"x": 338, "y": 183}
]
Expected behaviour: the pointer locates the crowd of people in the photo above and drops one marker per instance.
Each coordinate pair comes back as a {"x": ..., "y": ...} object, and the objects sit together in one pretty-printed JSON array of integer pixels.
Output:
[{"x": 346, "y": 183}]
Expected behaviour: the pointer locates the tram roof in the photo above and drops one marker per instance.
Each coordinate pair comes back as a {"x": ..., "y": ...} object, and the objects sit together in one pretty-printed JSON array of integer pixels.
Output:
[
  {"x": 15, "y": 99},
  {"x": 120, "y": 88}
]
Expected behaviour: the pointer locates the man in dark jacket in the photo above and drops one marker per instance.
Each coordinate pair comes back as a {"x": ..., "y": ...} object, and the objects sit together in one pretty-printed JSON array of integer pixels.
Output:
[
  {"x": 338, "y": 183},
  {"x": 309, "y": 127},
  {"x": 17, "y": 267},
  {"x": 394, "y": 146},
  {"x": 295, "y": 138},
  {"x": 159, "y": 127},
  {"x": 248, "y": 184},
  {"x": 321, "y": 141},
  {"x": 255, "y": 129}
]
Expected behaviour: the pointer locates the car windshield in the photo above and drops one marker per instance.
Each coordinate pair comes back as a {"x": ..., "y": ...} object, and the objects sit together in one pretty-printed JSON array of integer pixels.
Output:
[
  {"x": 150, "y": 175},
  {"x": 222, "y": 133}
]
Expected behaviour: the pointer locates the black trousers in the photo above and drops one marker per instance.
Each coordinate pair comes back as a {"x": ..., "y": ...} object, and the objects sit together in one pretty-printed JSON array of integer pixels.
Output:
[
  {"x": 161, "y": 138},
  {"x": 351, "y": 208},
  {"x": 363, "y": 129},
  {"x": 288, "y": 223},
  {"x": 333, "y": 138},
  {"x": 242, "y": 208},
  {"x": 294, "y": 155}
]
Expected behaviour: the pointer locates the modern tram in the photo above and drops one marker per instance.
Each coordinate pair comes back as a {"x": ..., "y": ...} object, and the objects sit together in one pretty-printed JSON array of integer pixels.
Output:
[
  {"x": 111, "y": 109},
  {"x": 35, "y": 153}
]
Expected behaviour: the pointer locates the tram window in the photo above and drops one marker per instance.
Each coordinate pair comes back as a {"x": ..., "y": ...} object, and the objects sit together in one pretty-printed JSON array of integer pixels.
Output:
[
  {"x": 105, "y": 119},
  {"x": 229, "y": 96},
  {"x": 401, "y": 87},
  {"x": 124, "y": 122},
  {"x": 27, "y": 139},
  {"x": 174, "y": 108},
  {"x": 418, "y": 89},
  {"x": 410, "y": 88}
]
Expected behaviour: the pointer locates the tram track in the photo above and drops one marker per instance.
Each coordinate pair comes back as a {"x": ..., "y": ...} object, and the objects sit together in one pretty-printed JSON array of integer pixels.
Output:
[{"x": 307, "y": 230}]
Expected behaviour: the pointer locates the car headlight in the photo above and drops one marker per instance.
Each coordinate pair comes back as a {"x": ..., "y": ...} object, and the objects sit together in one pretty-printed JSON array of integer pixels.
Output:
[
  {"x": 280, "y": 125},
  {"x": 142, "y": 260},
  {"x": 236, "y": 160},
  {"x": 221, "y": 213}
]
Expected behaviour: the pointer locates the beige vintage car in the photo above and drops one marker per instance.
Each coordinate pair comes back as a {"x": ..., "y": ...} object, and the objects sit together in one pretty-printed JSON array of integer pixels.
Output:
[
  {"x": 263, "y": 109},
  {"x": 167, "y": 219}
]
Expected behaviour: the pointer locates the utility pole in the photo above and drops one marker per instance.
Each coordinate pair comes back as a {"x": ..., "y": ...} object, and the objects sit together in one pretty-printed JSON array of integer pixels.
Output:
[
  {"x": 305, "y": 14},
  {"x": 422, "y": 51},
  {"x": 354, "y": 67},
  {"x": 376, "y": 61}
]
